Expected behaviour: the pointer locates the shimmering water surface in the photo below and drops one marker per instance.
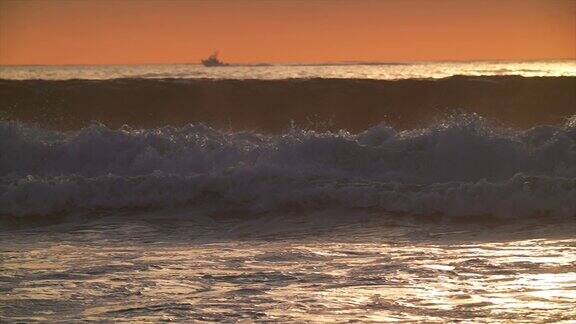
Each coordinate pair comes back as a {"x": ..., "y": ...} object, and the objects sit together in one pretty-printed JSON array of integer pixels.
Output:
[
  {"x": 384, "y": 71},
  {"x": 460, "y": 220},
  {"x": 317, "y": 268}
]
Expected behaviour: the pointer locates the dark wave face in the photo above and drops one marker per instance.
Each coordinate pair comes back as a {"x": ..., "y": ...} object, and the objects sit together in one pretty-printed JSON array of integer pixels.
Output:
[
  {"x": 461, "y": 166},
  {"x": 274, "y": 105}
]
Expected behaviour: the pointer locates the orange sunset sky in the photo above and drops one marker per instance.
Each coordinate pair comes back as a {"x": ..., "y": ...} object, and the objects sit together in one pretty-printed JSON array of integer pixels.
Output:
[{"x": 167, "y": 31}]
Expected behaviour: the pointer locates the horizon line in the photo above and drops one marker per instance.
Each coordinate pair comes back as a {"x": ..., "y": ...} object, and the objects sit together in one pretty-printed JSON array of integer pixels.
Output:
[{"x": 328, "y": 62}]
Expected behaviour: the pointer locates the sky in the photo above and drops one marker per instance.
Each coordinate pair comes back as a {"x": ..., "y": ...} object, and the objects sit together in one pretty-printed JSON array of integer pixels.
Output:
[{"x": 251, "y": 31}]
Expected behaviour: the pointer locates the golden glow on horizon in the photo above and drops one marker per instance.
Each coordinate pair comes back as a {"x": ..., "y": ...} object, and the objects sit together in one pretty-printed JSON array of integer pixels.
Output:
[{"x": 150, "y": 31}]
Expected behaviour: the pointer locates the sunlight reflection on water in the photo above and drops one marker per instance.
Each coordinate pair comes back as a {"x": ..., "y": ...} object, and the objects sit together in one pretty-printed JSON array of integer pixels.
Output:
[
  {"x": 386, "y": 273},
  {"x": 355, "y": 71}
]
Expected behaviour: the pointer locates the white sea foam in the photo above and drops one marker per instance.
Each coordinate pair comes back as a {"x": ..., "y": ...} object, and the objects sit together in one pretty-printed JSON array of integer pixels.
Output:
[{"x": 462, "y": 166}]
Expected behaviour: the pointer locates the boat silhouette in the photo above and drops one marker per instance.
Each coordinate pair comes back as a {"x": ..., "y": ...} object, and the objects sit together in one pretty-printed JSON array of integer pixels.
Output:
[{"x": 213, "y": 60}]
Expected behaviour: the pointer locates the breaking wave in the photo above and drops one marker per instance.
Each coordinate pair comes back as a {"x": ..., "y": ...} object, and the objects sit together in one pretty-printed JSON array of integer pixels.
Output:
[{"x": 461, "y": 166}]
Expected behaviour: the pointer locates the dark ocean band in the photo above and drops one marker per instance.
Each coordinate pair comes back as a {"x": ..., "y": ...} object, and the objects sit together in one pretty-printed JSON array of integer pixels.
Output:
[{"x": 272, "y": 105}]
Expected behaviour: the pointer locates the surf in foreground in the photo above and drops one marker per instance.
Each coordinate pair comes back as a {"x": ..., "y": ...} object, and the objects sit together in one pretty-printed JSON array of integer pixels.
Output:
[
  {"x": 463, "y": 166},
  {"x": 230, "y": 214}
]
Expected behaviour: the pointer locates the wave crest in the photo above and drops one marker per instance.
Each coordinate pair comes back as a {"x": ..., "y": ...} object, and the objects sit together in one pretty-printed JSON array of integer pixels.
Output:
[{"x": 460, "y": 166}]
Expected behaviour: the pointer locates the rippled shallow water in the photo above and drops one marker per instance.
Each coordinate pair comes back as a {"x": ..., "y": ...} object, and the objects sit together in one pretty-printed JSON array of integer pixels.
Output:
[{"x": 289, "y": 269}]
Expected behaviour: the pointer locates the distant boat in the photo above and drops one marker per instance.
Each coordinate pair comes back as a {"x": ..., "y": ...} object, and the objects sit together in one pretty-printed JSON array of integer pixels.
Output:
[{"x": 213, "y": 60}]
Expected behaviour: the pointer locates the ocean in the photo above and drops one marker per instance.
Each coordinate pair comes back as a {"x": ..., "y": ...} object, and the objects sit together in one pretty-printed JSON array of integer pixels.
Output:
[
  {"x": 374, "y": 192},
  {"x": 365, "y": 70}
]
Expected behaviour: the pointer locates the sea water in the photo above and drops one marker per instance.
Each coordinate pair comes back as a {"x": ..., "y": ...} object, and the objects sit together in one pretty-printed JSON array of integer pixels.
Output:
[
  {"x": 460, "y": 219},
  {"x": 374, "y": 70}
]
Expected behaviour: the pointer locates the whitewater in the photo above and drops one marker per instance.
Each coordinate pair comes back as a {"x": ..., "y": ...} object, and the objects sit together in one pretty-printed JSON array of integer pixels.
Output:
[{"x": 459, "y": 167}]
